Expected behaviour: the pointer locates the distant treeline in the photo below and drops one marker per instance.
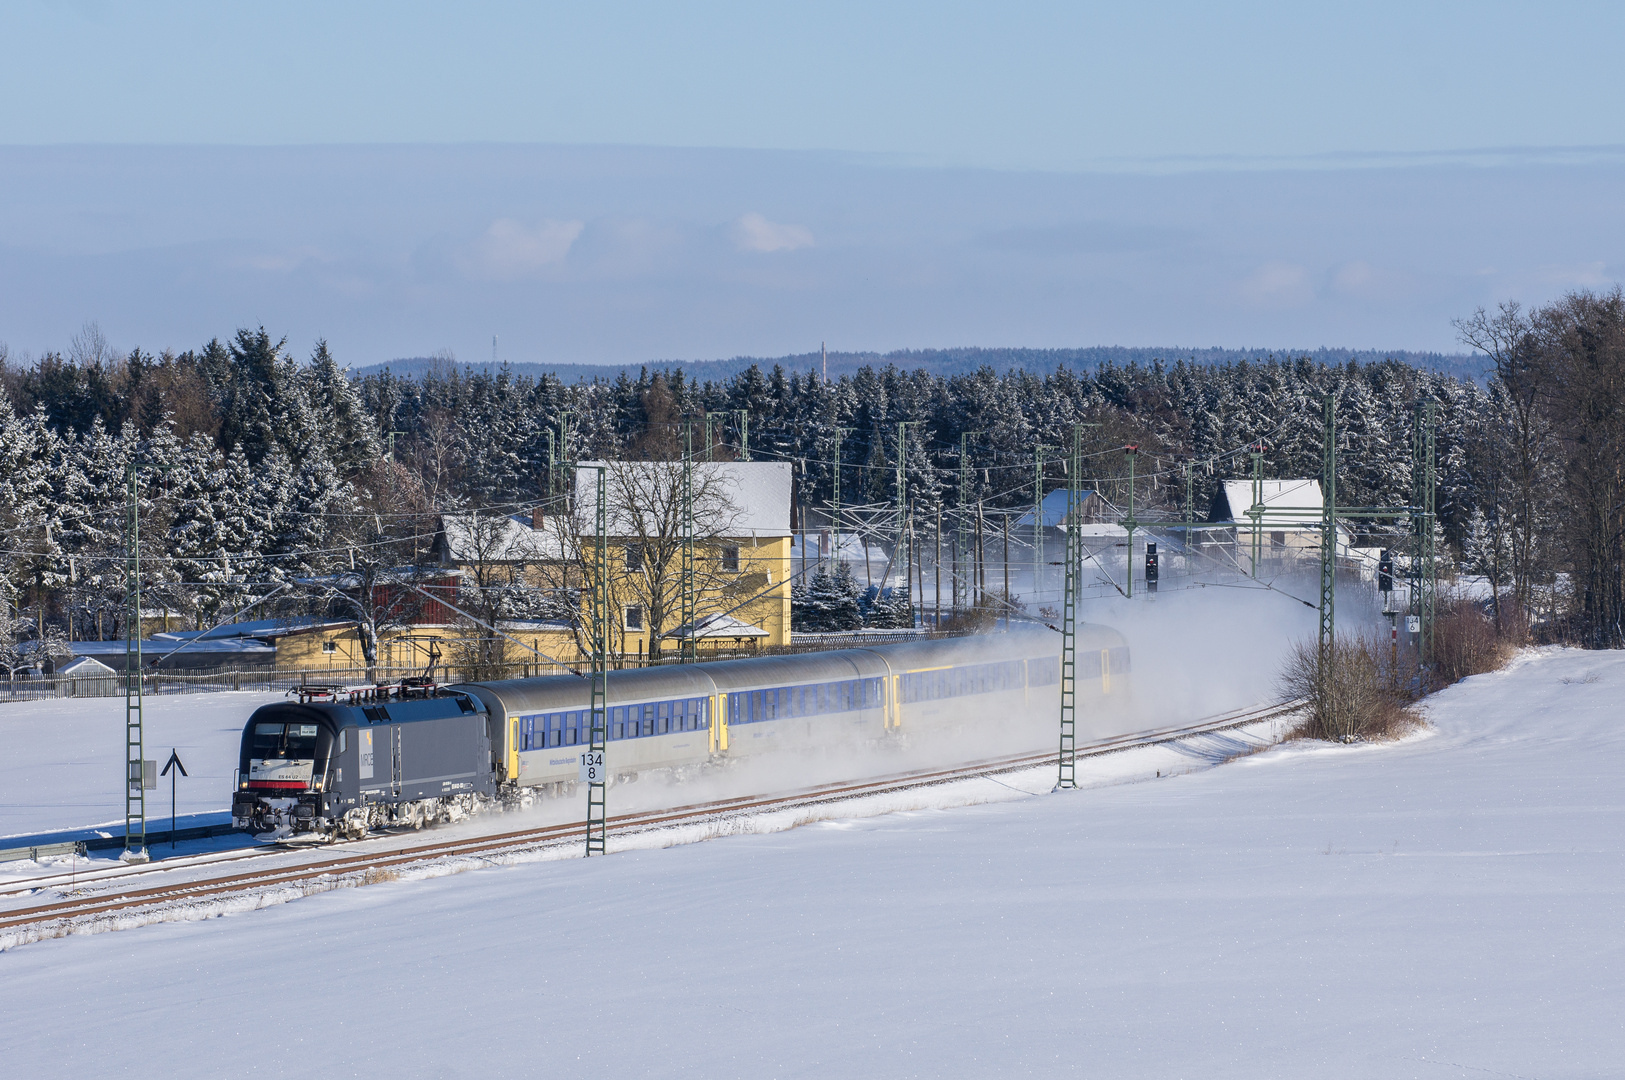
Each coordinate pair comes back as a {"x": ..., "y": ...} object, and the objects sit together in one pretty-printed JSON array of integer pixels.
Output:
[{"x": 962, "y": 361}]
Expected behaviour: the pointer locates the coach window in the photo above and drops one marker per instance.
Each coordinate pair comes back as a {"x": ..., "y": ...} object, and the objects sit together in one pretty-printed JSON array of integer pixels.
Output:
[{"x": 730, "y": 558}]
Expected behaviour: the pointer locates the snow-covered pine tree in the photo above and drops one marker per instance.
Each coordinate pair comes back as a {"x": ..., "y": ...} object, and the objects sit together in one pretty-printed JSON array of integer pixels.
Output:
[{"x": 345, "y": 428}]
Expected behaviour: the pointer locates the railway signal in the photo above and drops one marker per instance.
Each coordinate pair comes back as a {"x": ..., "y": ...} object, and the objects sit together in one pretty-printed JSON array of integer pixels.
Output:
[{"x": 1150, "y": 568}]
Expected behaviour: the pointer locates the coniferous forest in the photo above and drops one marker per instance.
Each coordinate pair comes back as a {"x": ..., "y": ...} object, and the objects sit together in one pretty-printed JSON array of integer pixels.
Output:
[{"x": 262, "y": 465}]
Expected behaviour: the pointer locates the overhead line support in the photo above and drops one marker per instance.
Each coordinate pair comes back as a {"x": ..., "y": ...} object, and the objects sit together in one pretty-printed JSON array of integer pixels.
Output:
[
  {"x": 1066, "y": 762},
  {"x": 598, "y": 735}
]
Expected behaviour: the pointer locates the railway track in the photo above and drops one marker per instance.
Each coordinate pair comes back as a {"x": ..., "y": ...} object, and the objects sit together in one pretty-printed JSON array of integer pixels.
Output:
[{"x": 336, "y": 866}]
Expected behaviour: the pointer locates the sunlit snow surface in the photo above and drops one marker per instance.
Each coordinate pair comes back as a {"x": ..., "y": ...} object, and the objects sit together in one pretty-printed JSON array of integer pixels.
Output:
[{"x": 1448, "y": 906}]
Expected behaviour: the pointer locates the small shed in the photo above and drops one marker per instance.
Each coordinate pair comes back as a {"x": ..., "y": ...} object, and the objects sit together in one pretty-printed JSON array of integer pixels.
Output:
[{"x": 85, "y": 676}]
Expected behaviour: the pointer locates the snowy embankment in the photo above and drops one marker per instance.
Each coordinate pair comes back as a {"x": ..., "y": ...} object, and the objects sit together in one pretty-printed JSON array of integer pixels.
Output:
[{"x": 1445, "y": 906}]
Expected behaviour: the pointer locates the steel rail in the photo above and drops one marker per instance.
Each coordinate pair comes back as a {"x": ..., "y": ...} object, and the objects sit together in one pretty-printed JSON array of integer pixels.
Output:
[
  {"x": 92, "y": 875},
  {"x": 545, "y": 836}
]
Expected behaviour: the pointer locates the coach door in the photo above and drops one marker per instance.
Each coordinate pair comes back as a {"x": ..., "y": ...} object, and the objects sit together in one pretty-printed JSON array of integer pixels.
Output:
[
  {"x": 717, "y": 742},
  {"x": 1105, "y": 671}
]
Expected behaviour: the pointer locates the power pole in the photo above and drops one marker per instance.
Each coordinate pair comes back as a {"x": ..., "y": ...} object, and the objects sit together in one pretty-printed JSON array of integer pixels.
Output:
[
  {"x": 709, "y": 420},
  {"x": 835, "y": 499},
  {"x": 979, "y": 570},
  {"x": 744, "y": 434},
  {"x": 1038, "y": 518},
  {"x": 135, "y": 795},
  {"x": 1133, "y": 452},
  {"x": 1424, "y": 570},
  {"x": 961, "y": 533},
  {"x": 902, "y": 515},
  {"x": 552, "y": 464},
  {"x": 1067, "y": 759},
  {"x": 1328, "y": 541},
  {"x": 690, "y": 648},
  {"x": 597, "y": 789},
  {"x": 1007, "y": 568},
  {"x": 936, "y": 567},
  {"x": 1189, "y": 516},
  {"x": 1256, "y": 511},
  {"x": 135, "y": 769},
  {"x": 564, "y": 449}
]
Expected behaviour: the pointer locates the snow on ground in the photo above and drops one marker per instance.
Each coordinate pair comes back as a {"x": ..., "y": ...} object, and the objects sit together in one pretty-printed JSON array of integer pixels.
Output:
[
  {"x": 64, "y": 760},
  {"x": 1446, "y": 906}
]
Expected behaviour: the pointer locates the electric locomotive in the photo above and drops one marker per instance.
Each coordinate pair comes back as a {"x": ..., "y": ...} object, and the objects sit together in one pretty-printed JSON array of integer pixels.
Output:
[{"x": 394, "y": 755}]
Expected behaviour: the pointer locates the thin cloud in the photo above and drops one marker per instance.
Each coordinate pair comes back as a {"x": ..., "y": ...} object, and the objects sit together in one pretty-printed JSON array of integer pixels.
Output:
[
  {"x": 753, "y": 232},
  {"x": 510, "y": 249},
  {"x": 1278, "y": 285}
]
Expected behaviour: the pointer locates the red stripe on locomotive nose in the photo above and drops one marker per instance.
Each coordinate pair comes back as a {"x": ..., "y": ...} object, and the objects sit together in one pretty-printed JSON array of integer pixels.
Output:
[{"x": 279, "y": 784}]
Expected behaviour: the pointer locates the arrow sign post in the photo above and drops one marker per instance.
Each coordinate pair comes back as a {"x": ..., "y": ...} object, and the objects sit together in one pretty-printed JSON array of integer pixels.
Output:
[{"x": 174, "y": 763}]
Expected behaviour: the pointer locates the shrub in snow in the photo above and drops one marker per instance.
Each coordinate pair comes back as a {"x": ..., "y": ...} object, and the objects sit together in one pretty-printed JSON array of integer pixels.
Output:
[{"x": 1362, "y": 694}]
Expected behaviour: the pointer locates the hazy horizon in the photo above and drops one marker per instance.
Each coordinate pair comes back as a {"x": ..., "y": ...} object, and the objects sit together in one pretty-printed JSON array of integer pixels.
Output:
[{"x": 615, "y": 255}]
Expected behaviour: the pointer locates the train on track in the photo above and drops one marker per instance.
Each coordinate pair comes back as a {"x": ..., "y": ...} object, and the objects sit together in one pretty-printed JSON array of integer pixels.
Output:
[{"x": 341, "y": 762}]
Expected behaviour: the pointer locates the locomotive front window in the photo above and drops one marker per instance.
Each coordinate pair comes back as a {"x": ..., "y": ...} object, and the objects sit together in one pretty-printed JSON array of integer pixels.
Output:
[
  {"x": 285, "y": 740},
  {"x": 301, "y": 740}
]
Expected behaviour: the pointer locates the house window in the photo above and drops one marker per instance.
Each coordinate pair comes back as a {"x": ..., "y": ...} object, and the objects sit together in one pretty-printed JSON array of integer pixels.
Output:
[
  {"x": 1277, "y": 539},
  {"x": 730, "y": 558},
  {"x": 330, "y": 646},
  {"x": 634, "y": 558},
  {"x": 634, "y": 617}
]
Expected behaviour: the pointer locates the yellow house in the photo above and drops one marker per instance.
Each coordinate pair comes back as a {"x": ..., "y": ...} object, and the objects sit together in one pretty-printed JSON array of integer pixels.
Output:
[{"x": 741, "y": 554}]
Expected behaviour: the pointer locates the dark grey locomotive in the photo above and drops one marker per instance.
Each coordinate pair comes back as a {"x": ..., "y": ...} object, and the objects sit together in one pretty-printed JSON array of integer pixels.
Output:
[{"x": 342, "y": 767}]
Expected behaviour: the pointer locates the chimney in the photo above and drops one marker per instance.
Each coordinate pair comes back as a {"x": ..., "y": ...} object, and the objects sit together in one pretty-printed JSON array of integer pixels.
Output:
[{"x": 537, "y": 518}]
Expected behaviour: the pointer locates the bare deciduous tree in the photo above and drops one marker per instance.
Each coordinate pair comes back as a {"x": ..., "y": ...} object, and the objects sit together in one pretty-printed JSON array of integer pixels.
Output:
[{"x": 645, "y": 561}]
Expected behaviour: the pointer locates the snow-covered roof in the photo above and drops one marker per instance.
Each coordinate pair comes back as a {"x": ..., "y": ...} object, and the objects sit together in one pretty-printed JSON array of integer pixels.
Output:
[
  {"x": 721, "y": 626},
  {"x": 260, "y": 628},
  {"x": 1288, "y": 504},
  {"x": 470, "y": 538},
  {"x": 85, "y": 667},
  {"x": 1052, "y": 510},
  {"x": 155, "y": 647},
  {"x": 759, "y": 492}
]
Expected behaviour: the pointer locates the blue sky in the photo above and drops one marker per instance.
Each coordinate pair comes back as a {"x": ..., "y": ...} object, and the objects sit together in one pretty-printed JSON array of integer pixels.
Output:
[{"x": 628, "y": 181}]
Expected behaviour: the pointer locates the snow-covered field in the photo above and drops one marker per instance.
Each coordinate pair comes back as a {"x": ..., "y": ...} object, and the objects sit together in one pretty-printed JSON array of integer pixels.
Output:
[
  {"x": 1447, "y": 906},
  {"x": 64, "y": 760}
]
